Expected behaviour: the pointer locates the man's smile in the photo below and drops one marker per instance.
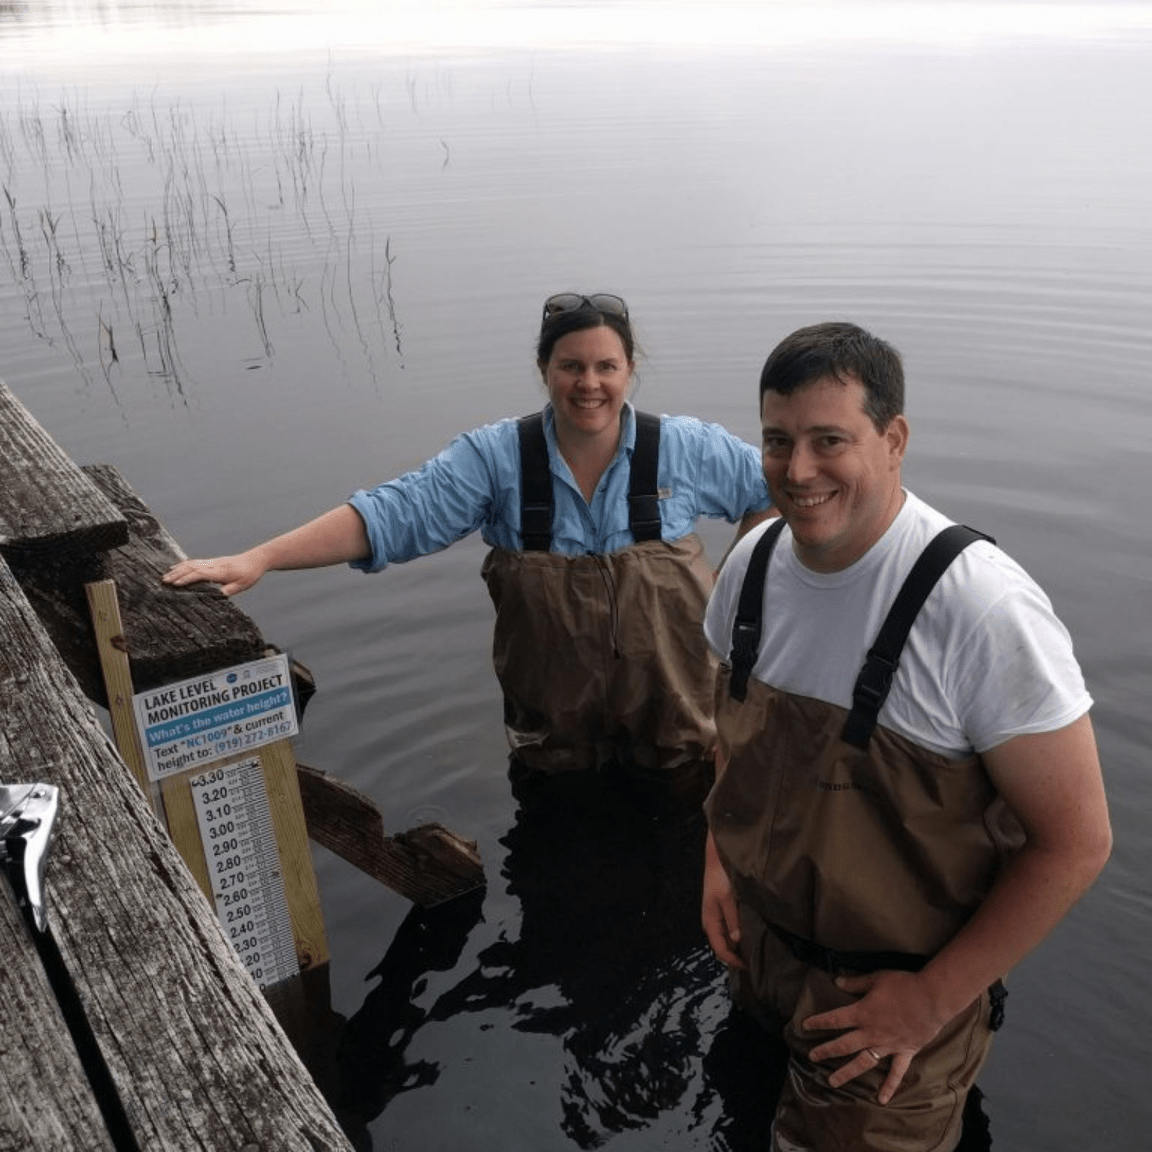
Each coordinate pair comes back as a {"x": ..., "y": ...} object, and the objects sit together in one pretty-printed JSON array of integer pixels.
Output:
[{"x": 811, "y": 501}]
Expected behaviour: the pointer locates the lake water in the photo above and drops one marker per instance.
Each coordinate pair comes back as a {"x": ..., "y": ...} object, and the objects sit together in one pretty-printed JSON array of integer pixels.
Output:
[{"x": 257, "y": 255}]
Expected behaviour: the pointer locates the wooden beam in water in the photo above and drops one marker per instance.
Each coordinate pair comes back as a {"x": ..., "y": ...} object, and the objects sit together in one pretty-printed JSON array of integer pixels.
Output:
[{"x": 427, "y": 865}]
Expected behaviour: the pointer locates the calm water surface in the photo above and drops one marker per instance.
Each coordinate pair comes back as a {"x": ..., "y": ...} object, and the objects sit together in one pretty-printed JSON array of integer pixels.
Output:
[{"x": 258, "y": 255}]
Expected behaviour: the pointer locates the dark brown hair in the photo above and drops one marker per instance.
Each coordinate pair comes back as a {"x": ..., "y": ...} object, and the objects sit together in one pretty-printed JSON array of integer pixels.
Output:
[
  {"x": 576, "y": 320},
  {"x": 843, "y": 351}
]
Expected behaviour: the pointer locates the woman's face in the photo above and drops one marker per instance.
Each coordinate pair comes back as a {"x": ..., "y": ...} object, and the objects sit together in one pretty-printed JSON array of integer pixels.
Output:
[{"x": 587, "y": 378}]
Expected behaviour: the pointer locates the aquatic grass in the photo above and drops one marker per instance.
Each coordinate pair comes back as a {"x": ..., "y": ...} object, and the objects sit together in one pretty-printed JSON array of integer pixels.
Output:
[{"x": 180, "y": 205}]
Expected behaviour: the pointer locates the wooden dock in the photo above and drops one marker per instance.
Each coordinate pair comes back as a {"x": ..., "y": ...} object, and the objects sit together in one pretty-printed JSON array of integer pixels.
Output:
[{"x": 131, "y": 1024}]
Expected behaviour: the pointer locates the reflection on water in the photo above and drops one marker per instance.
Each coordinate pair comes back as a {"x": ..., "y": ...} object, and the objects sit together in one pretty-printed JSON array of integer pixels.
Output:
[
  {"x": 371, "y": 1065},
  {"x": 410, "y": 25},
  {"x": 258, "y": 260},
  {"x": 607, "y": 956}
]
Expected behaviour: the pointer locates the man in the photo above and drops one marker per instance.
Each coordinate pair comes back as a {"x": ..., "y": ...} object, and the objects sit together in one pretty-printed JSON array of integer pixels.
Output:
[{"x": 883, "y": 851}]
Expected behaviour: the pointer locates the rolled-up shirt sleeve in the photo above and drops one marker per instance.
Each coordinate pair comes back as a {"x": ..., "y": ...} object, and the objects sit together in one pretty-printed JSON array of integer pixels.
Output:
[
  {"x": 731, "y": 475},
  {"x": 429, "y": 508},
  {"x": 707, "y": 472}
]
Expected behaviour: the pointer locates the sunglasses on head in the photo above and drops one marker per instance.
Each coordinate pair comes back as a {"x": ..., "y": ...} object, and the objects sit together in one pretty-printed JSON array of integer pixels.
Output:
[{"x": 573, "y": 302}]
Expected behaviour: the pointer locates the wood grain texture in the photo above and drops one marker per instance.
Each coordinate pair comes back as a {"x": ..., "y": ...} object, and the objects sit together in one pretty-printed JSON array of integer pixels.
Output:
[
  {"x": 46, "y": 1103},
  {"x": 48, "y": 507},
  {"x": 170, "y": 633},
  {"x": 111, "y": 647},
  {"x": 428, "y": 865},
  {"x": 194, "y": 1050}
]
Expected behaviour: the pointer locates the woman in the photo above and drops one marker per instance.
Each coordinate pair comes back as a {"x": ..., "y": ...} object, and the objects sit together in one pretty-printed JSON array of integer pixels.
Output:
[{"x": 598, "y": 580}]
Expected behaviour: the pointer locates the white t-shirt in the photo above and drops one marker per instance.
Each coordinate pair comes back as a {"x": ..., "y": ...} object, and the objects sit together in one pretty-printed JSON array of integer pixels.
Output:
[{"x": 986, "y": 659}]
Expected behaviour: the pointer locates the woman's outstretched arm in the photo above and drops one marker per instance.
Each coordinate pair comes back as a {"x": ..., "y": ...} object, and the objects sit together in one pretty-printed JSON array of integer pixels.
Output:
[{"x": 336, "y": 537}]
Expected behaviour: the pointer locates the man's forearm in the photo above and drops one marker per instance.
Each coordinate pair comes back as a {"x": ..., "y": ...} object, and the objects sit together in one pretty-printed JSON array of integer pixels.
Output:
[{"x": 1032, "y": 896}]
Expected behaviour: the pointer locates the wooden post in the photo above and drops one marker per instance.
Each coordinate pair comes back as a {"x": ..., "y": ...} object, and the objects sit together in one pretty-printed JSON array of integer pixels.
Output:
[
  {"x": 279, "y": 766},
  {"x": 105, "y": 610}
]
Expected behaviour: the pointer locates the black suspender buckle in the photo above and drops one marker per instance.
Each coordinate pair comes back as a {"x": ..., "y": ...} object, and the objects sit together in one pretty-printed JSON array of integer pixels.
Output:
[
  {"x": 874, "y": 681},
  {"x": 745, "y": 641},
  {"x": 644, "y": 516},
  {"x": 868, "y": 695},
  {"x": 536, "y": 526}
]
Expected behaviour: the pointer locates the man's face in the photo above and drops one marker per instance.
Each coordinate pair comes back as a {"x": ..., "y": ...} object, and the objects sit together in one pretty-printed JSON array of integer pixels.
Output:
[{"x": 835, "y": 479}]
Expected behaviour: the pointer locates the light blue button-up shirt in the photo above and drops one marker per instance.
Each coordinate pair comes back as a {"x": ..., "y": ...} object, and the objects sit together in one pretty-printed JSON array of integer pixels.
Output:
[{"x": 474, "y": 484}]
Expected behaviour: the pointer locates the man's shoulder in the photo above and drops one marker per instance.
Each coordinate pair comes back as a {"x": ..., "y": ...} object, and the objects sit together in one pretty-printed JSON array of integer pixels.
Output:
[
  {"x": 731, "y": 576},
  {"x": 742, "y": 550},
  {"x": 921, "y": 523},
  {"x": 979, "y": 577},
  {"x": 918, "y": 521}
]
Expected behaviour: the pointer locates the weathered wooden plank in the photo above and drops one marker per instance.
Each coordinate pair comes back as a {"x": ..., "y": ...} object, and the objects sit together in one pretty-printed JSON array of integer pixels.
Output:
[
  {"x": 46, "y": 1101},
  {"x": 171, "y": 634},
  {"x": 428, "y": 864},
  {"x": 191, "y": 1045},
  {"x": 48, "y": 507}
]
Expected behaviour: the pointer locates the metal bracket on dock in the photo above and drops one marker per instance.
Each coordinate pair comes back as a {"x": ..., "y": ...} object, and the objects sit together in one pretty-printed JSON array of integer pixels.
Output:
[{"x": 27, "y": 825}]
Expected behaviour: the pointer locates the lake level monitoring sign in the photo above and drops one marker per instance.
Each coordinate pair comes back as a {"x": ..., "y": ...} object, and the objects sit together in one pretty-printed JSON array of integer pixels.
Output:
[
  {"x": 207, "y": 718},
  {"x": 213, "y": 755}
]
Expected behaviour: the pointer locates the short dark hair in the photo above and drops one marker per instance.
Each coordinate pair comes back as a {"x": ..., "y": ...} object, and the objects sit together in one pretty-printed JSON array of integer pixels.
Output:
[
  {"x": 577, "y": 320},
  {"x": 842, "y": 351}
]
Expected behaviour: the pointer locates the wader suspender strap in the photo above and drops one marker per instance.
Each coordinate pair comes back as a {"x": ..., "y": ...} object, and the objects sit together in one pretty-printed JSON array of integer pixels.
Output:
[
  {"x": 875, "y": 679},
  {"x": 536, "y": 503},
  {"x": 643, "y": 499},
  {"x": 749, "y": 622}
]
